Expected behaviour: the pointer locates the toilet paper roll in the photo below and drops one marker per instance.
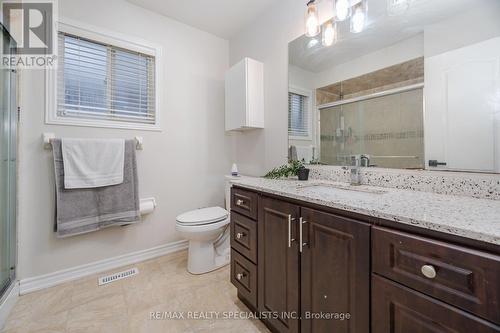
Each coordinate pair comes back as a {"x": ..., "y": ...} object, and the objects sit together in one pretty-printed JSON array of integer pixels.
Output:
[{"x": 147, "y": 206}]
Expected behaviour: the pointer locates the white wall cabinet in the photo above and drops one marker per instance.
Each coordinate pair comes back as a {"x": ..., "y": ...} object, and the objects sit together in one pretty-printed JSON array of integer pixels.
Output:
[{"x": 245, "y": 95}]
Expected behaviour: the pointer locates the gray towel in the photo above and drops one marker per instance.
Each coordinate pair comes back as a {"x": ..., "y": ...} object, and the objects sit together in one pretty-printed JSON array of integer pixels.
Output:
[{"x": 84, "y": 210}]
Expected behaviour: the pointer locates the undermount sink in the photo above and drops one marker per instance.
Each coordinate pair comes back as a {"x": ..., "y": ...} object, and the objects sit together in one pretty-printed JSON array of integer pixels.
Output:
[{"x": 321, "y": 187}]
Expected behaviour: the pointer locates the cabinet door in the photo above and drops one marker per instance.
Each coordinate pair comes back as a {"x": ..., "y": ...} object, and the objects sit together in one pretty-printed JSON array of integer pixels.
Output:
[
  {"x": 398, "y": 309},
  {"x": 278, "y": 268},
  {"x": 335, "y": 274}
]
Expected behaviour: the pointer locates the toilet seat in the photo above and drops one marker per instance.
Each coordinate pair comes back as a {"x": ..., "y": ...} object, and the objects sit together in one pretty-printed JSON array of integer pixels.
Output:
[
  {"x": 203, "y": 216},
  {"x": 199, "y": 228}
]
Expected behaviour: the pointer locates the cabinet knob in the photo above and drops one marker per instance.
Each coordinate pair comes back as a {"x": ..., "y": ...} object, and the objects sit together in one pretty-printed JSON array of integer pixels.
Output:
[
  {"x": 428, "y": 271},
  {"x": 240, "y": 235},
  {"x": 240, "y": 276},
  {"x": 239, "y": 202}
]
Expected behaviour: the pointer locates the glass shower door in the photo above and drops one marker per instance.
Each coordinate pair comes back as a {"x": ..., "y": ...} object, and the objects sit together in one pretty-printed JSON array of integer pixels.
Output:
[{"x": 8, "y": 140}]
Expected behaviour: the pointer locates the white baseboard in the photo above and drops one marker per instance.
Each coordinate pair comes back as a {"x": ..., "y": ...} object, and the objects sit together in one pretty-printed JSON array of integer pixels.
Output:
[
  {"x": 48, "y": 280},
  {"x": 7, "y": 303}
]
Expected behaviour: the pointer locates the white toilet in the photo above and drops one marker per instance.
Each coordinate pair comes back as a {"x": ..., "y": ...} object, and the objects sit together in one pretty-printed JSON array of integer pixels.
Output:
[{"x": 207, "y": 230}]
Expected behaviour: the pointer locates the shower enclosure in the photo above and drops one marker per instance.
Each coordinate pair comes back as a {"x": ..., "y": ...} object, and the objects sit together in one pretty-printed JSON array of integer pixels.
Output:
[{"x": 8, "y": 147}]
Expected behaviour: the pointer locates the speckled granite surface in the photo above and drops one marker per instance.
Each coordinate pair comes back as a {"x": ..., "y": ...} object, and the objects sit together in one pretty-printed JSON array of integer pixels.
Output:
[
  {"x": 476, "y": 185},
  {"x": 473, "y": 218}
]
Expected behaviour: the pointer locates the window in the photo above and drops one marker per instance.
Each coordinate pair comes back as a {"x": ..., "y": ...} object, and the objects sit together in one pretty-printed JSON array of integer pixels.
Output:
[
  {"x": 101, "y": 83},
  {"x": 298, "y": 116}
]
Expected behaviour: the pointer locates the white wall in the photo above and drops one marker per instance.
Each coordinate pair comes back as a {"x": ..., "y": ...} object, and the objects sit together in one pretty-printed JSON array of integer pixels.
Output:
[
  {"x": 475, "y": 25},
  {"x": 182, "y": 166},
  {"x": 266, "y": 40}
]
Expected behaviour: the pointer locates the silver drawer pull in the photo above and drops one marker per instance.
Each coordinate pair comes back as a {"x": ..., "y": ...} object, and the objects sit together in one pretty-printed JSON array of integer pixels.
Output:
[
  {"x": 240, "y": 235},
  {"x": 240, "y": 276},
  {"x": 301, "y": 241},
  {"x": 290, "y": 239},
  {"x": 239, "y": 202},
  {"x": 428, "y": 271}
]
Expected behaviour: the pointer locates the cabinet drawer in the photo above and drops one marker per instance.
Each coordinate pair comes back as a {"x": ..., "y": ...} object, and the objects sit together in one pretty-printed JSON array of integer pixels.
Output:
[
  {"x": 244, "y": 236},
  {"x": 398, "y": 309},
  {"x": 463, "y": 277},
  {"x": 244, "y": 202},
  {"x": 244, "y": 277}
]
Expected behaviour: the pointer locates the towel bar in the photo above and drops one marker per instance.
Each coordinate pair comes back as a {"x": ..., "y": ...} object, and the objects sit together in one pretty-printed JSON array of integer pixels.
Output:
[{"x": 48, "y": 137}]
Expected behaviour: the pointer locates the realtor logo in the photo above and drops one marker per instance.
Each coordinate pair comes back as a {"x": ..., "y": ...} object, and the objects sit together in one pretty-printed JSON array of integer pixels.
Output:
[{"x": 31, "y": 26}]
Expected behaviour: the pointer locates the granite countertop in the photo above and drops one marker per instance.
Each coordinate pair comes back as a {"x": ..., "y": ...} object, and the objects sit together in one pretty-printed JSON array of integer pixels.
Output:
[{"x": 477, "y": 219}]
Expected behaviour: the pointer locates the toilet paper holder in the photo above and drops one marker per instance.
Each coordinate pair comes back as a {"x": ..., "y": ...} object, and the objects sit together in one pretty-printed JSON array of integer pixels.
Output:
[{"x": 147, "y": 205}]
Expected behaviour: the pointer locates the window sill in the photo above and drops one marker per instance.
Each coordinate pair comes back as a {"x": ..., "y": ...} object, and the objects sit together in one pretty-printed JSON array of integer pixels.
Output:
[
  {"x": 300, "y": 138},
  {"x": 103, "y": 124}
]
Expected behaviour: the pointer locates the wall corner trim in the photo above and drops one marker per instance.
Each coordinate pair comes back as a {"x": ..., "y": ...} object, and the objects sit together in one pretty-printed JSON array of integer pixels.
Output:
[{"x": 52, "y": 279}]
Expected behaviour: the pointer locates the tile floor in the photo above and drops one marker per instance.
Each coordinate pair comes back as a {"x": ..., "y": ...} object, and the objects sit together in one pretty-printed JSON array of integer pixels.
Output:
[{"x": 162, "y": 285}]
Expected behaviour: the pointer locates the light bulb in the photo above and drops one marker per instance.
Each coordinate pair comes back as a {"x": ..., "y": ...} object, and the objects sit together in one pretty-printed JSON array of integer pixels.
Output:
[
  {"x": 312, "y": 20},
  {"x": 312, "y": 43},
  {"x": 342, "y": 9},
  {"x": 358, "y": 19},
  {"x": 329, "y": 34}
]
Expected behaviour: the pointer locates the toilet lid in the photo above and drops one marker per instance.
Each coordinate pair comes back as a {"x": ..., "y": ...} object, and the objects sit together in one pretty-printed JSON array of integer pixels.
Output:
[{"x": 203, "y": 216}]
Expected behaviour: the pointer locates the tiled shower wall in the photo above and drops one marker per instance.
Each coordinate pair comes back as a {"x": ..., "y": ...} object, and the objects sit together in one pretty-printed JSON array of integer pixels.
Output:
[{"x": 389, "y": 129}]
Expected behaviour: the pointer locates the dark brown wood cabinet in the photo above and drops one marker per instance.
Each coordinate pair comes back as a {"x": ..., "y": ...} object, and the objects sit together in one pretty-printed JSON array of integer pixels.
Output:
[
  {"x": 465, "y": 278},
  {"x": 244, "y": 236},
  {"x": 278, "y": 269},
  {"x": 335, "y": 273},
  {"x": 398, "y": 309},
  {"x": 312, "y": 269},
  {"x": 244, "y": 277},
  {"x": 314, "y": 265},
  {"x": 244, "y": 202}
]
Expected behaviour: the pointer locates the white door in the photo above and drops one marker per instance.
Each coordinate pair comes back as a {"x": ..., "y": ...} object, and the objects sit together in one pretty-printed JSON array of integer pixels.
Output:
[{"x": 462, "y": 94}]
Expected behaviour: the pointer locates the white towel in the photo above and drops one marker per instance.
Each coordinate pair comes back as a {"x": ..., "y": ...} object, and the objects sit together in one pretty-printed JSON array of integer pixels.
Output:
[{"x": 90, "y": 163}]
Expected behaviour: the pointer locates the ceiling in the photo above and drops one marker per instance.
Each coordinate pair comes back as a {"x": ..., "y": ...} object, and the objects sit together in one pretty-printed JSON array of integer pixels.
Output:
[
  {"x": 383, "y": 30},
  {"x": 224, "y": 18}
]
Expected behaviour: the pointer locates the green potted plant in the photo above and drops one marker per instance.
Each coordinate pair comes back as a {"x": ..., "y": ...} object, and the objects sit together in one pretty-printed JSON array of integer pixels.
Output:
[{"x": 293, "y": 168}]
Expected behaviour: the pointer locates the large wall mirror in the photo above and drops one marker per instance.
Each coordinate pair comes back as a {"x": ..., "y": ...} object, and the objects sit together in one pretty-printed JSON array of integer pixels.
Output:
[{"x": 412, "y": 84}]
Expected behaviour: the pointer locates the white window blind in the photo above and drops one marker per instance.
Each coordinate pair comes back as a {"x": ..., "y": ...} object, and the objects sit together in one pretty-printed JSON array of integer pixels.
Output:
[
  {"x": 298, "y": 115},
  {"x": 99, "y": 81}
]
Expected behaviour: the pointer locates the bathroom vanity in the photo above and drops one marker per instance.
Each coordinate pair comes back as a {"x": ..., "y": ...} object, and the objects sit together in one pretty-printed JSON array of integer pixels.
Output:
[
  {"x": 320, "y": 256},
  {"x": 414, "y": 248}
]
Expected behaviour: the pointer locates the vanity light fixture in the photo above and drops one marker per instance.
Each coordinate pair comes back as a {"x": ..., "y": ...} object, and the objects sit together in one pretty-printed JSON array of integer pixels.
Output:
[
  {"x": 313, "y": 27},
  {"x": 342, "y": 9},
  {"x": 329, "y": 33},
  {"x": 359, "y": 16},
  {"x": 357, "y": 10}
]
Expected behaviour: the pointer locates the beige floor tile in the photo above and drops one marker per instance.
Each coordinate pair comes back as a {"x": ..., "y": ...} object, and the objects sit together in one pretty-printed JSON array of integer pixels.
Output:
[
  {"x": 108, "y": 310},
  {"x": 87, "y": 290},
  {"x": 49, "y": 324},
  {"x": 143, "y": 321},
  {"x": 163, "y": 285}
]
